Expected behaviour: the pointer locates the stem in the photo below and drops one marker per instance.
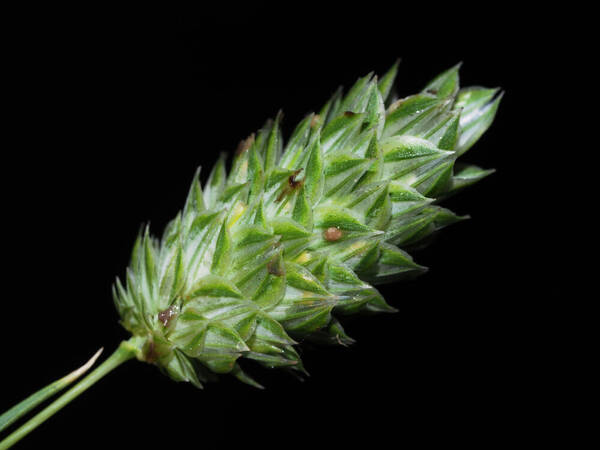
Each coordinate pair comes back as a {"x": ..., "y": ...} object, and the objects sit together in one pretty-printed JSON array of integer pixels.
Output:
[
  {"x": 126, "y": 351},
  {"x": 35, "y": 399}
]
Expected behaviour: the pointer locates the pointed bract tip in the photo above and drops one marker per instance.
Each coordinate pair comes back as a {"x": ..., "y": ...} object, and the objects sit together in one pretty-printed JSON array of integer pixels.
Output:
[
  {"x": 245, "y": 378},
  {"x": 315, "y": 120},
  {"x": 81, "y": 370},
  {"x": 345, "y": 341},
  {"x": 245, "y": 144},
  {"x": 303, "y": 371},
  {"x": 252, "y": 382}
]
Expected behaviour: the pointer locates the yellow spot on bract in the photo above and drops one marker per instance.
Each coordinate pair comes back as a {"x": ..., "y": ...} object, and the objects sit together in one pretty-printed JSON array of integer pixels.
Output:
[
  {"x": 303, "y": 258},
  {"x": 244, "y": 169},
  {"x": 357, "y": 245},
  {"x": 238, "y": 210}
]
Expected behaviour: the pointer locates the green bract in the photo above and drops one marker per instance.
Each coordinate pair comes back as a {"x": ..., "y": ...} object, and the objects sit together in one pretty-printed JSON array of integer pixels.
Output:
[{"x": 296, "y": 235}]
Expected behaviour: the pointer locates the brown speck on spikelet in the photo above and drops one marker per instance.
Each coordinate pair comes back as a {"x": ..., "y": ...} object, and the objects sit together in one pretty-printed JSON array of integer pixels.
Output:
[
  {"x": 349, "y": 114},
  {"x": 149, "y": 351},
  {"x": 293, "y": 185},
  {"x": 332, "y": 234},
  {"x": 274, "y": 267},
  {"x": 166, "y": 315}
]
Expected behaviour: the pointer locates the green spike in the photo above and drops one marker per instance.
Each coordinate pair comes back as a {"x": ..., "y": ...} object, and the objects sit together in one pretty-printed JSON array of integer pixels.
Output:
[
  {"x": 478, "y": 106},
  {"x": 466, "y": 176},
  {"x": 405, "y": 113},
  {"x": 195, "y": 200},
  {"x": 445, "y": 84},
  {"x": 314, "y": 179},
  {"x": 216, "y": 183},
  {"x": 330, "y": 110},
  {"x": 375, "y": 110},
  {"x": 387, "y": 81},
  {"x": 357, "y": 96},
  {"x": 297, "y": 143},
  {"x": 244, "y": 377},
  {"x": 336, "y": 135},
  {"x": 273, "y": 145}
]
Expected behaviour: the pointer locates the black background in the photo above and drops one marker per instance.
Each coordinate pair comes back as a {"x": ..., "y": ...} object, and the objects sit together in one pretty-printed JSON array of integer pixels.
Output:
[{"x": 115, "y": 110}]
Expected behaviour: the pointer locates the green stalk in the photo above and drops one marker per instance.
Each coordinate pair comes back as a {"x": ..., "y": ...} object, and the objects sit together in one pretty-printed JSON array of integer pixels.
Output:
[
  {"x": 126, "y": 351},
  {"x": 33, "y": 400}
]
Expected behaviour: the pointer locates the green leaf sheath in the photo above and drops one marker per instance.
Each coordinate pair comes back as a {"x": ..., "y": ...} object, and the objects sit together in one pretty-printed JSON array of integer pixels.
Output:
[
  {"x": 35, "y": 399},
  {"x": 295, "y": 236},
  {"x": 126, "y": 351}
]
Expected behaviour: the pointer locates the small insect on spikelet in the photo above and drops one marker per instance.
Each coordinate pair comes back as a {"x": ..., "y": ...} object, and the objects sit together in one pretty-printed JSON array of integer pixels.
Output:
[{"x": 295, "y": 236}]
